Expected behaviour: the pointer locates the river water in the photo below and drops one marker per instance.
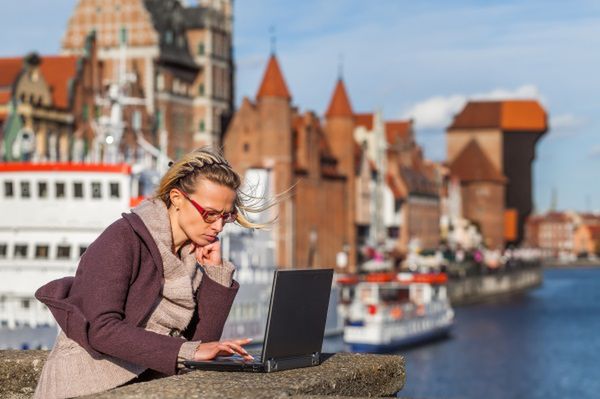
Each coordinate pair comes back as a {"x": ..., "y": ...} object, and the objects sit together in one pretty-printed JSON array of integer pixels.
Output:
[{"x": 543, "y": 344}]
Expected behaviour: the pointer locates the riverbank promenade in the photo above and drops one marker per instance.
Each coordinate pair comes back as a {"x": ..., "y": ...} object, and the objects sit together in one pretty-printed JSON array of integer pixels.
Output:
[{"x": 339, "y": 375}]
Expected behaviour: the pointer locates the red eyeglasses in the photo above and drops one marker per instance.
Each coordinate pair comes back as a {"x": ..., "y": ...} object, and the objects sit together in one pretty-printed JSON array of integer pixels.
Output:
[{"x": 211, "y": 216}]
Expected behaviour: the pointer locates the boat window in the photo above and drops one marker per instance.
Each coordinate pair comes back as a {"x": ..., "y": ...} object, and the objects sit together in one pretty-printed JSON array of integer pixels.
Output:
[
  {"x": 393, "y": 294},
  {"x": 78, "y": 189},
  {"x": 8, "y": 189},
  {"x": 3, "y": 250},
  {"x": 82, "y": 249},
  {"x": 96, "y": 190},
  {"x": 60, "y": 190},
  {"x": 114, "y": 190},
  {"x": 42, "y": 189},
  {"x": 20, "y": 250},
  {"x": 25, "y": 189},
  {"x": 41, "y": 251},
  {"x": 63, "y": 252}
]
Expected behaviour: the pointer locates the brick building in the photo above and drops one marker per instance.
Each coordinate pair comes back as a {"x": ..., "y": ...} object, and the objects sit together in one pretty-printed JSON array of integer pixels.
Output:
[
  {"x": 411, "y": 204},
  {"x": 270, "y": 133},
  {"x": 47, "y": 105},
  {"x": 552, "y": 232},
  {"x": 491, "y": 145},
  {"x": 180, "y": 58}
]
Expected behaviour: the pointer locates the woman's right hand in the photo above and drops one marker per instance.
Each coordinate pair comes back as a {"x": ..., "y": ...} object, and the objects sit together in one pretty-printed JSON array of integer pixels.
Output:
[{"x": 210, "y": 350}]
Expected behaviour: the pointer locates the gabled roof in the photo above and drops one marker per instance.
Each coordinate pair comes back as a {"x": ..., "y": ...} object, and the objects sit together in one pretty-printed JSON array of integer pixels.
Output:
[
  {"x": 398, "y": 130},
  {"x": 364, "y": 120},
  {"x": 9, "y": 69},
  {"x": 339, "y": 105},
  {"x": 472, "y": 165},
  {"x": 58, "y": 71},
  {"x": 509, "y": 115},
  {"x": 273, "y": 83}
]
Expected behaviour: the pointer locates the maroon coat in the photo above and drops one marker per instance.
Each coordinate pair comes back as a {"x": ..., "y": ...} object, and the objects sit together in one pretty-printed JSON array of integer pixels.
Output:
[{"x": 117, "y": 286}]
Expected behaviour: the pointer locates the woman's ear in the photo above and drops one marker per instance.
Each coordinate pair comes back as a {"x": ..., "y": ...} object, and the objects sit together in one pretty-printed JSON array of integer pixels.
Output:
[{"x": 176, "y": 198}]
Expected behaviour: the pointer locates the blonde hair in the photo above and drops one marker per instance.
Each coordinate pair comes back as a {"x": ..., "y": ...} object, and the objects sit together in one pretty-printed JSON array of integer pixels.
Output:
[{"x": 208, "y": 163}]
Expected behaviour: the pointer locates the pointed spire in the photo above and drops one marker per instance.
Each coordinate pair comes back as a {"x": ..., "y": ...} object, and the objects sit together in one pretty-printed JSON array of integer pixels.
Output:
[
  {"x": 273, "y": 83},
  {"x": 340, "y": 104}
]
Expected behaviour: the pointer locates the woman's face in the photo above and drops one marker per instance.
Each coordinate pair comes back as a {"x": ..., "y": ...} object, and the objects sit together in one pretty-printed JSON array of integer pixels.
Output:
[{"x": 212, "y": 197}]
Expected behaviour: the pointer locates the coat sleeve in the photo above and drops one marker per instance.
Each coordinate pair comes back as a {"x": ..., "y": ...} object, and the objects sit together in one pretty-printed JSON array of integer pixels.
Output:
[
  {"x": 100, "y": 291},
  {"x": 213, "y": 305}
]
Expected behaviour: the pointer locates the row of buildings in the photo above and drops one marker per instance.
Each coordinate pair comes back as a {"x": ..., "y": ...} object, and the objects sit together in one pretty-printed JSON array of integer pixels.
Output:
[
  {"x": 564, "y": 235},
  {"x": 360, "y": 186}
]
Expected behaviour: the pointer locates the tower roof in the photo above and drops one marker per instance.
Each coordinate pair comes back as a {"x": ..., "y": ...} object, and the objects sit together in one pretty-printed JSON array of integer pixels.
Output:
[
  {"x": 509, "y": 115},
  {"x": 473, "y": 165},
  {"x": 273, "y": 83},
  {"x": 340, "y": 104}
]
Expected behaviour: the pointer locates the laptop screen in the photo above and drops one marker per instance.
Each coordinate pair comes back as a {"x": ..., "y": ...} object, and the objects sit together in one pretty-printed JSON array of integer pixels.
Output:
[{"x": 297, "y": 313}]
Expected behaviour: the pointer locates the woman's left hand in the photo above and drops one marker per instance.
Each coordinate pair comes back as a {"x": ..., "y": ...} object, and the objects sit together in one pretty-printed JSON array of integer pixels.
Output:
[{"x": 210, "y": 254}]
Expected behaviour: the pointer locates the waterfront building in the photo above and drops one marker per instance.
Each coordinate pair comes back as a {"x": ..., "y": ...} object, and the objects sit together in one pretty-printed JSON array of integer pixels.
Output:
[
  {"x": 270, "y": 133},
  {"x": 410, "y": 208},
  {"x": 180, "y": 57},
  {"x": 553, "y": 233},
  {"x": 586, "y": 240},
  {"x": 491, "y": 145}
]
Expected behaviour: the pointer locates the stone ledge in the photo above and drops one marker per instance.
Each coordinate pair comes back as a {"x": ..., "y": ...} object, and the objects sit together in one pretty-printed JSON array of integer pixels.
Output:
[{"x": 341, "y": 375}]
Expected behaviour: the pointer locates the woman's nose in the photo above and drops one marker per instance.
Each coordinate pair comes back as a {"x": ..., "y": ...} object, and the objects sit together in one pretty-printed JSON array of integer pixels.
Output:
[{"x": 218, "y": 224}]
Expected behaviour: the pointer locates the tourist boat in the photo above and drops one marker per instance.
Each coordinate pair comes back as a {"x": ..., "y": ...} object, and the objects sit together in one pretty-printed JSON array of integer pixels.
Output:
[{"x": 387, "y": 311}]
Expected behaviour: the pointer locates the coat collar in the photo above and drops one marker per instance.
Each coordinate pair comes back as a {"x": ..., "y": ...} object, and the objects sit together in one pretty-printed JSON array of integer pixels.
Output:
[{"x": 142, "y": 231}]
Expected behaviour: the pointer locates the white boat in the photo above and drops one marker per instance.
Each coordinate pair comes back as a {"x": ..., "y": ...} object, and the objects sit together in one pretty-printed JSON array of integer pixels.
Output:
[{"x": 385, "y": 311}]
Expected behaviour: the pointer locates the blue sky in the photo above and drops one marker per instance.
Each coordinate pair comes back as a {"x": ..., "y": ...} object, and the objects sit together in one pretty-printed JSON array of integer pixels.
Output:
[{"x": 421, "y": 59}]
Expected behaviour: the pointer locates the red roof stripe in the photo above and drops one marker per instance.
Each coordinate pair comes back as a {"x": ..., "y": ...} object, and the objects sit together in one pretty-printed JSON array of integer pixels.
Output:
[{"x": 64, "y": 167}]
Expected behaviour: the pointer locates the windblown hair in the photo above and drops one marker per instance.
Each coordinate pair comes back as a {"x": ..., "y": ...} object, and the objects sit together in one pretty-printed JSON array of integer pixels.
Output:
[{"x": 207, "y": 163}]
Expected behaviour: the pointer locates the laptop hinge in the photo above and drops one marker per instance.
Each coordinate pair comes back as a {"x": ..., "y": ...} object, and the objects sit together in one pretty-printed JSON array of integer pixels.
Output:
[{"x": 286, "y": 363}]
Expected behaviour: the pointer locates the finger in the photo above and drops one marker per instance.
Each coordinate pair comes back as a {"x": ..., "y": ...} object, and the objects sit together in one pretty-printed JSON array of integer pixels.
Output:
[
  {"x": 237, "y": 348},
  {"x": 243, "y": 341}
]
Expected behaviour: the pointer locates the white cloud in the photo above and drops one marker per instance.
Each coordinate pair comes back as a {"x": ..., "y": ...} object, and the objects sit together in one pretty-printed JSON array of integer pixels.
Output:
[
  {"x": 437, "y": 112},
  {"x": 595, "y": 152},
  {"x": 565, "y": 125}
]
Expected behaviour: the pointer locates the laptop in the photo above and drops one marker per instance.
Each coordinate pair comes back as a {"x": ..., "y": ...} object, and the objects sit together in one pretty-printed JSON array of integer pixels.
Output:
[{"x": 295, "y": 325}]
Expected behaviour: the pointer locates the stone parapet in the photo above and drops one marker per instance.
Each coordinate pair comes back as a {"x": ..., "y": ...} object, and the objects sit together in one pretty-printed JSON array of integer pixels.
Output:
[{"x": 340, "y": 375}]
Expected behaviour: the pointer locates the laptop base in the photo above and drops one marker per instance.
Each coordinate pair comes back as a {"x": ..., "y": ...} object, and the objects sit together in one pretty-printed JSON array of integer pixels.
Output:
[{"x": 269, "y": 366}]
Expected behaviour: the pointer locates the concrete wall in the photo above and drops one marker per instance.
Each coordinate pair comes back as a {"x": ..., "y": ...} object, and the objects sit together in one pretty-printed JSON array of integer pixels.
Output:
[{"x": 480, "y": 288}]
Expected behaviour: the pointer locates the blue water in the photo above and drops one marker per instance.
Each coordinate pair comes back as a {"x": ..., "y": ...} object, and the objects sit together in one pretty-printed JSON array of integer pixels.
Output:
[{"x": 543, "y": 344}]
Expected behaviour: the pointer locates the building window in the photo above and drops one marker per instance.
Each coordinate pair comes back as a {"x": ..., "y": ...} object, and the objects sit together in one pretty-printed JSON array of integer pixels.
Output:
[
  {"x": 3, "y": 248},
  {"x": 78, "y": 190},
  {"x": 246, "y": 147},
  {"x": 169, "y": 37},
  {"x": 25, "y": 189},
  {"x": 60, "y": 189},
  {"x": 8, "y": 189},
  {"x": 63, "y": 252},
  {"x": 114, "y": 190},
  {"x": 41, "y": 251},
  {"x": 20, "y": 251},
  {"x": 201, "y": 127},
  {"x": 160, "y": 82},
  {"x": 82, "y": 249},
  {"x": 96, "y": 190},
  {"x": 201, "y": 89},
  {"x": 85, "y": 112},
  {"x": 200, "y": 48},
  {"x": 25, "y": 303},
  {"x": 123, "y": 35},
  {"x": 42, "y": 189}
]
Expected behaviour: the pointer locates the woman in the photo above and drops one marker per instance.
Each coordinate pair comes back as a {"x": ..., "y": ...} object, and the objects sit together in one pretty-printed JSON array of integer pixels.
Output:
[{"x": 152, "y": 290}]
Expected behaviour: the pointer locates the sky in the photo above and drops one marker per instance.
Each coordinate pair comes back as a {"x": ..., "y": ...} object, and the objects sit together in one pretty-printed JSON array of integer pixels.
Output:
[{"x": 413, "y": 59}]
